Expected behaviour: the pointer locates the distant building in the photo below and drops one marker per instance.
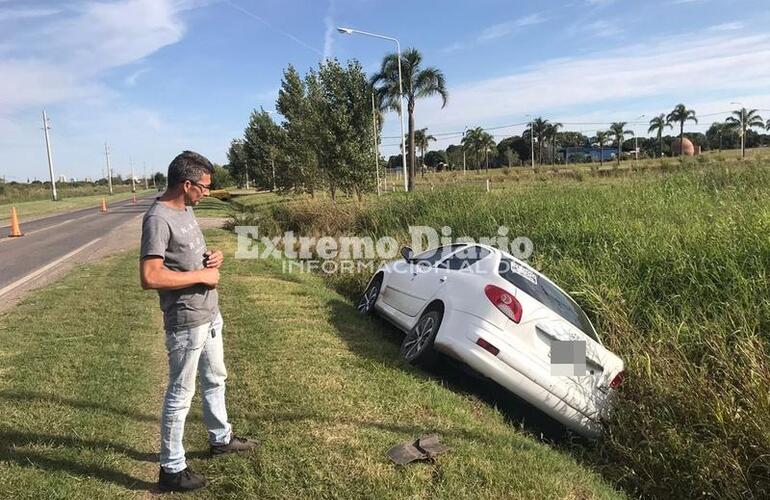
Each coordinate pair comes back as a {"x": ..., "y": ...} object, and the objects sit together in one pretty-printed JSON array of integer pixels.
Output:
[
  {"x": 62, "y": 178},
  {"x": 88, "y": 179}
]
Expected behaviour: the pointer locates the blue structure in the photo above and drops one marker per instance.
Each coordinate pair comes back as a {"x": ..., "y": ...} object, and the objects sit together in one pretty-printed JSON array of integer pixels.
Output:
[{"x": 608, "y": 153}]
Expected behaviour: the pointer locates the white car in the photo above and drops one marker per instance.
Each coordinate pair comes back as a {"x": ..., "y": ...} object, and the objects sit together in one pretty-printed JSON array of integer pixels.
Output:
[{"x": 505, "y": 320}]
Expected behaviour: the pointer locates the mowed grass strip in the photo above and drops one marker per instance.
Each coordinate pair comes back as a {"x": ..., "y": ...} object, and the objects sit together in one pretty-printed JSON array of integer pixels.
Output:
[
  {"x": 80, "y": 386},
  {"x": 324, "y": 391},
  {"x": 319, "y": 386}
]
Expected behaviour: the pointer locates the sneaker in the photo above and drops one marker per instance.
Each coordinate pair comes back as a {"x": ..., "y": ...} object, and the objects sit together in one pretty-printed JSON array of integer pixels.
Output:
[
  {"x": 184, "y": 480},
  {"x": 236, "y": 444}
]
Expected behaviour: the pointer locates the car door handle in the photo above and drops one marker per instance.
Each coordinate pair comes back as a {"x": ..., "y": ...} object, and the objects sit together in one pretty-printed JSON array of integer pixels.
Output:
[{"x": 442, "y": 279}]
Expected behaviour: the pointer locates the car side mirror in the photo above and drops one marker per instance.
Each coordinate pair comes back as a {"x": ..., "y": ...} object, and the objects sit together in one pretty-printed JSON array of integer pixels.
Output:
[{"x": 407, "y": 253}]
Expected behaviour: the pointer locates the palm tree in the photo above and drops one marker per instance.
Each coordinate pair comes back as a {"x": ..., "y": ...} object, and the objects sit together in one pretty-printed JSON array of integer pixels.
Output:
[
  {"x": 471, "y": 142},
  {"x": 618, "y": 129},
  {"x": 417, "y": 82},
  {"x": 421, "y": 141},
  {"x": 538, "y": 127},
  {"x": 550, "y": 134},
  {"x": 486, "y": 144},
  {"x": 743, "y": 120},
  {"x": 657, "y": 124},
  {"x": 681, "y": 114},
  {"x": 602, "y": 138}
]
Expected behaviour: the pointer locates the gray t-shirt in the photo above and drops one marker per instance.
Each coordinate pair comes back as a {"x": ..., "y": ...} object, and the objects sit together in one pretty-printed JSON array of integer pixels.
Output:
[{"x": 174, "y": 235}]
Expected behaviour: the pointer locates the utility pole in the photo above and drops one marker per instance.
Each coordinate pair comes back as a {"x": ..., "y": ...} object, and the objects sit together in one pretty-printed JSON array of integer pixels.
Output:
[
  {"x": 272, "y": 162},
  {"x": 50, "y": 159},
  {"x": 374, "y": 135},
  {"x": 109, "y": 168},
  {"x": 144, "y": 174},
  {"x": 131, "y": 163}
]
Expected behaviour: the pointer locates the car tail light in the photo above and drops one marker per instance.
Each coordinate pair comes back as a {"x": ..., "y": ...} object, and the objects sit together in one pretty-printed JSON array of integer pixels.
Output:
[
  {"x": 617, "y": 380},
  {"x": 487, "y": 346},
  {"x": 504, "y": 301}
]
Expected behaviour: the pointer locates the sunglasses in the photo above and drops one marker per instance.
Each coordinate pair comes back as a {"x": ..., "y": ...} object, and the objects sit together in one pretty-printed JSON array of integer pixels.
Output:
[{"x": 203, "y": 187}]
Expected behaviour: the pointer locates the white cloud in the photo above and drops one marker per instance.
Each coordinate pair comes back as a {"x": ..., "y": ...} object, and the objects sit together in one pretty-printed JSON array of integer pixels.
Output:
[
  {"x": 64, "y": 50},
  {"x": 503, "y": 29},
  {"x": 602, "y": 28},
  {"x": 733, "y": 26},
  {"x": 686, "y": 69},
  {"x": 497, "y": 31},
  {"x": 63, "y": 60},
  {"x": 28, "y": 13},
  {"x": 131, "y": 79}
]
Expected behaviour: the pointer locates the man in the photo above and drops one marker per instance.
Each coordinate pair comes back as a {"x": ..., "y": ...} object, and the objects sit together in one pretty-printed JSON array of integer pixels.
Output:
[{"x": 174, "y": 260}]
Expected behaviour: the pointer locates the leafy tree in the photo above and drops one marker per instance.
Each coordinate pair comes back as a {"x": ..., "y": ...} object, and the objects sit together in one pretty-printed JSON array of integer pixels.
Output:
[
  {"x": 742, "y": 120},
  {"x": 418, "y": 82},
  {"x": 454, "y": 156},
  {"x": 433, "y": 158},
  {"x": 236, "y": 162},
  {"x": 221, "y": 178},
  {"x": 681, "y": 114},
  {"x": 341, "y": 97},
  {"x": 657, "y": 125},
  {"x": 160, "y": 179},
  {"x": 262, "y": 144},
  {"x": 299, "y": 169}
]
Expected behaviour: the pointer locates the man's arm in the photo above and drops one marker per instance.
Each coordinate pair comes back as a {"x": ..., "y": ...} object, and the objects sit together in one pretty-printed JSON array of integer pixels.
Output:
[{"x": 155, "y": 276}]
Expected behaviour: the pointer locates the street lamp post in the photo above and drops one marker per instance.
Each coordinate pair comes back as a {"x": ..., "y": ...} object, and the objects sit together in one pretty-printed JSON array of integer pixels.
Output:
[{"x": 350, "y": 31}]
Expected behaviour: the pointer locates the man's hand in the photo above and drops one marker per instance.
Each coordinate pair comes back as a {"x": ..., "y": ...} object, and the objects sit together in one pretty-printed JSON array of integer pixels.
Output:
[
  {"x": 210, "y": 277},
  {"x": 214, "y": 259}
]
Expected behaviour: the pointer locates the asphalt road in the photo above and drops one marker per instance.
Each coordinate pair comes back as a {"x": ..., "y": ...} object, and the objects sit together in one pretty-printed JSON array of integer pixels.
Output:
[{"x": 53, "y": 239}]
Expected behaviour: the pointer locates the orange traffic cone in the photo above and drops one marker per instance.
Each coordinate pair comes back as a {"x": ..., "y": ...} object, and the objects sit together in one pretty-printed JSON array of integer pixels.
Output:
[
  {"x": 133, "y": 199},
  {"x": 104, "y": 204},
  {"x": 15, "y": 229}
]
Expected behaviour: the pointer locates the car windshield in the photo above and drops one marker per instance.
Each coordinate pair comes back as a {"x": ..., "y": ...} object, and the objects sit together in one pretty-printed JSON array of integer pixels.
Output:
[{"x": 546, "y": 292}]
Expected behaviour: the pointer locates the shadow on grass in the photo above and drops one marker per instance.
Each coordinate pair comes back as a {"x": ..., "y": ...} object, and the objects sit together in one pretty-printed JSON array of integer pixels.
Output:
[
  {"x": 13, "y": 440},
  {"x": 28, "y": 396},
  {"x": 376, "y": 339}
]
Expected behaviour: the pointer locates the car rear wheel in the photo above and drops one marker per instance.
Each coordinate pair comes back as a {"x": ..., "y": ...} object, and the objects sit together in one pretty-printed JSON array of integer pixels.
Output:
[
  {"x": 417, "y": 347},
  {"x": 369, "y": 297}
]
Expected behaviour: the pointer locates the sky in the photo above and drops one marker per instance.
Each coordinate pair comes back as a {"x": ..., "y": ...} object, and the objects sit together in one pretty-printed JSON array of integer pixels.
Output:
[{"x": 154, "y": 77}]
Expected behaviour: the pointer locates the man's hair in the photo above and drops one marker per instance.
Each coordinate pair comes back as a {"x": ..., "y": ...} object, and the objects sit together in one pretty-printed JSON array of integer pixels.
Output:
[{"x": 188, "y": 165}]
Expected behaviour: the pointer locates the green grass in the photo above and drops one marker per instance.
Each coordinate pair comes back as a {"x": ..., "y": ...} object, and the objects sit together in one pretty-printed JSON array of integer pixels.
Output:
[
  {"x": 672, "y": 266},
  {"x": 35, "y": 209},
  {"x": 319, "y": 386}
]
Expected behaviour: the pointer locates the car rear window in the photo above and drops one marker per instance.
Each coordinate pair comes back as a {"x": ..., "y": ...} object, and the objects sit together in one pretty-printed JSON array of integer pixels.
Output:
[{"x": 545, "y": 292}]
